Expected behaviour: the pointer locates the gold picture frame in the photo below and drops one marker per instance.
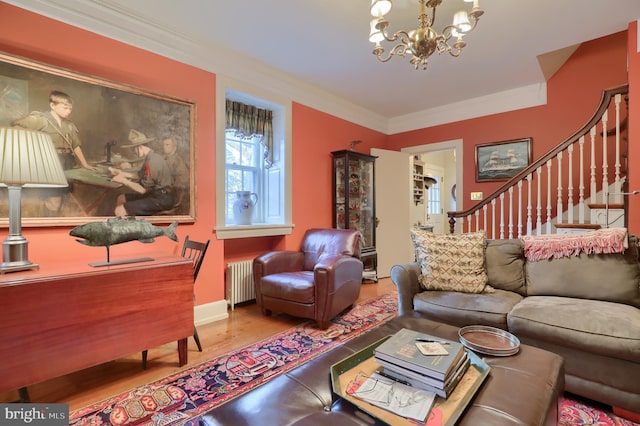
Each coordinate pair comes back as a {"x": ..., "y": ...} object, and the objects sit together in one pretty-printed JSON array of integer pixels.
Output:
[{"x": 104, "y": 113}]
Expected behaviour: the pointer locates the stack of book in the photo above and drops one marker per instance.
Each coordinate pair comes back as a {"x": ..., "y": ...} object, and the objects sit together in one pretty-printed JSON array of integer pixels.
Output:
[{"x": 423, "y": 361}]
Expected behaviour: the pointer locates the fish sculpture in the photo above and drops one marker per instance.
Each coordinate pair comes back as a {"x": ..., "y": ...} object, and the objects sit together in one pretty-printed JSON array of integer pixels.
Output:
[{"x": 121, "y": 230}]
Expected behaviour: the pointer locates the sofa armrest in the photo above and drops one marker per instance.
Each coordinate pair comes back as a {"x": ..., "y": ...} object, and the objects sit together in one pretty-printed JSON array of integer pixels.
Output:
[{"x": 405, "y": 278}]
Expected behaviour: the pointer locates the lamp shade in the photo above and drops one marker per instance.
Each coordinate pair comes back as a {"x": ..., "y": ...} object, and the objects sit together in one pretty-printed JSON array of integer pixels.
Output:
[{"x": 28, "y": 158}]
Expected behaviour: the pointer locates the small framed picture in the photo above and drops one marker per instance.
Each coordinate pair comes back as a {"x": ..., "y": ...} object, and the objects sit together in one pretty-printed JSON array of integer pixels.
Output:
[{"x": 502, "y": 160}]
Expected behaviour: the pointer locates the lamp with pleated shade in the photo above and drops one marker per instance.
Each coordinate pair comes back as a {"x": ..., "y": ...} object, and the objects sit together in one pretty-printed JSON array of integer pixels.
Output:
[{"x": 27, "y": 159}]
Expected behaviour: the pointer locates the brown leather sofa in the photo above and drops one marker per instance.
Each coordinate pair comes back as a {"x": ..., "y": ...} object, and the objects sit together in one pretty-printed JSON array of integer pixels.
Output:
[
  {"x": 523, "y": 389},
  {"x": 318, "y": 282}
]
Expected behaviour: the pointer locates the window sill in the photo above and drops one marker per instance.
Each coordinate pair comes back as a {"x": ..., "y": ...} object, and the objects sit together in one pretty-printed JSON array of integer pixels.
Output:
[{"x": 248, "y": 231}]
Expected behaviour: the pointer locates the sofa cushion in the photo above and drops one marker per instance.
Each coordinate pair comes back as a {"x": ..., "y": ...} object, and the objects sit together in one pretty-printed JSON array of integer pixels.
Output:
[
  {"x": 611, "y": 277},
  {"x": 593, "y": 326},
  {"x": 464, "y": 309},
  {"x": 504, "y": 260},
  {"x": 451, "y": 262}
]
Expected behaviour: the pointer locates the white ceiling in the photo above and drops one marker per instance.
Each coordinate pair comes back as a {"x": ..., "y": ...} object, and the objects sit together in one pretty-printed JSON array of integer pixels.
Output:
[{"x": 318, "y": 51}]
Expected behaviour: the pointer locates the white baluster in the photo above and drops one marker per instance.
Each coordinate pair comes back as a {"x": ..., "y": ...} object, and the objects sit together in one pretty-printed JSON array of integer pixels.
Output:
[
  {"x": 618, "y": 183},
  {"x": 594, "y": 191},
  {"x": 493, "y": 218},
  {"x": 510, "y": 212},
  {"x": 520, "y": 208},
  {"x": 484, "y": 217},
  {"x": 468, "y": 218},
  {"x": 559, "y": 208},
  {"x": 502, "y": 216}
]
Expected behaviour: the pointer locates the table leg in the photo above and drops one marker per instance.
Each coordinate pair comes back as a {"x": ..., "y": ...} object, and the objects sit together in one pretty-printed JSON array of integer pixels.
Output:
[{"x": 182, "y": 352}]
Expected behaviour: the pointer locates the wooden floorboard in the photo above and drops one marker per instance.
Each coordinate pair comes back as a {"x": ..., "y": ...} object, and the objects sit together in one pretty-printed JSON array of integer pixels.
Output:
[{"x": 245, "y": 325}]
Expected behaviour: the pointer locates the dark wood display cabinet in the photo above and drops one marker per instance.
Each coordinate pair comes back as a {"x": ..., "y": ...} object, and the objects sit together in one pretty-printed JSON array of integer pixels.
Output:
[{"x": 354, "y": 202}]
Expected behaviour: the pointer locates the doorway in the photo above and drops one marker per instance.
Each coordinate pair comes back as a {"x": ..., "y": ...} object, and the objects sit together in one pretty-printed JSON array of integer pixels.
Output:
[
  {"x": 444, "y": 160},
  {"x": 395, "y": 198}
]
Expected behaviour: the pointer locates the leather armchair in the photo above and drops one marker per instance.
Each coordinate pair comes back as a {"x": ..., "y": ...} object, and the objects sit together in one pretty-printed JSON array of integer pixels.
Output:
[{"x": 318, "y": 282}]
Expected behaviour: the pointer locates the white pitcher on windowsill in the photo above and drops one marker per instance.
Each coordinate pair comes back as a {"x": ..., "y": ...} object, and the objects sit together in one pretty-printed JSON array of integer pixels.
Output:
[{"x": 243, "y": 207}]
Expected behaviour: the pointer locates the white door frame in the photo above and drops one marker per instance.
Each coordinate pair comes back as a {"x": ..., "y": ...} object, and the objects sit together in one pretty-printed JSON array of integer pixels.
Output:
[{"x": 456, "y": 145}]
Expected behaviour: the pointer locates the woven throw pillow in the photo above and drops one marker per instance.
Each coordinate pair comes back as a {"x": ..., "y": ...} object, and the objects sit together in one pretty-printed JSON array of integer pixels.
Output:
[{"x": 452, "y": 262}]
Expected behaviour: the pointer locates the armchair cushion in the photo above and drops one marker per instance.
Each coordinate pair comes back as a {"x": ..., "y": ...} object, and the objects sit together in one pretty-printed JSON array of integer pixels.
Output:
[{"x": 292, "y": 286}]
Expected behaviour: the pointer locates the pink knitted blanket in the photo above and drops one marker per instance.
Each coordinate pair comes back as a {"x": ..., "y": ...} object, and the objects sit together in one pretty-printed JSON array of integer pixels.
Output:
[{"x": 541, "y": 247}]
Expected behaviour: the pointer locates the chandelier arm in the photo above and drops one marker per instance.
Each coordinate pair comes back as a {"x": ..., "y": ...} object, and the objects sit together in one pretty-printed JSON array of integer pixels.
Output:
[
  {"x": 402, "y": 35},
  {"x": 398, "y": 49}
]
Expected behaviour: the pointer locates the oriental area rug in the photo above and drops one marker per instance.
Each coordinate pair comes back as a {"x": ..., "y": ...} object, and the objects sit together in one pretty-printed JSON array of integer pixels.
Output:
[{"x": 179, "y": 399}]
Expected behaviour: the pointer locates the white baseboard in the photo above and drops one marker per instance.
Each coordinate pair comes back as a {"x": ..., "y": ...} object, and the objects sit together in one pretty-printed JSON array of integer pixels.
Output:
[{"x": 211, "y": 312}]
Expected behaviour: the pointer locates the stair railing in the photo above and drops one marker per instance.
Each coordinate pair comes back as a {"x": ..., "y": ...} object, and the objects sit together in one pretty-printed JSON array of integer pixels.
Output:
[{"x": 504, "y": 214}]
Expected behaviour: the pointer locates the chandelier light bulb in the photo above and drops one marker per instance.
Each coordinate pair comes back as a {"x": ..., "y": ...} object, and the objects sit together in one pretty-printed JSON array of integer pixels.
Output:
[
  {"x": 379, "y": 8},
  {"x": 375, "y": 36},
  {"x": 461, "y": 22}
]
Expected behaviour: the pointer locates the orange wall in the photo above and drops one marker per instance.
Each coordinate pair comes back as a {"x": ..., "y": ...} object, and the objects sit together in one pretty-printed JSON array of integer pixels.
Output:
[
  {"x": 573, "y": 94},
  {"x": 315, "y": 135},
  {"x": 634, "y": 128}
]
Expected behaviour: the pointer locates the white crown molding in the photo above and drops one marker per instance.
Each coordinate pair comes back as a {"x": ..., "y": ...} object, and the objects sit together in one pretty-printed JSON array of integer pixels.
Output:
[
  {"x": 510, "y": 100},
  {"x": 116, "y": 22},
  {"x": 111, "y": 20}
]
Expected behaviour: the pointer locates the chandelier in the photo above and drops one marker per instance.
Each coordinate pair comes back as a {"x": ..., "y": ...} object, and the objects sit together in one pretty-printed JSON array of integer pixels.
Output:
[{"x": 423, "y": 41}]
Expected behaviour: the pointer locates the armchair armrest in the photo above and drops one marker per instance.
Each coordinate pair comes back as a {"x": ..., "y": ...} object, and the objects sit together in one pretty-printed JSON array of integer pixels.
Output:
[
  {"x": 405, "y": 278},
  {"x": 278, "y": 261},
  {"x": 337, "y": 270}
]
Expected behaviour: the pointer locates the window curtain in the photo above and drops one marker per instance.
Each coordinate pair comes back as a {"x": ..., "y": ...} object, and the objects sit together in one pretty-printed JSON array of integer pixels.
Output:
[{"x": 248, "y": 121}]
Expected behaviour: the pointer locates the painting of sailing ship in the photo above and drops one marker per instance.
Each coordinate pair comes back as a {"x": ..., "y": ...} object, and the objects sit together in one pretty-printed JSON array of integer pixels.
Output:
[{"x": 502, "y": 160}]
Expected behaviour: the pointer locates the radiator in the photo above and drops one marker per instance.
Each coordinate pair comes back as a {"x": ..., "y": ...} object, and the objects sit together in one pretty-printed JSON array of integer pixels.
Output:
[{"x": 239, "y": 282}]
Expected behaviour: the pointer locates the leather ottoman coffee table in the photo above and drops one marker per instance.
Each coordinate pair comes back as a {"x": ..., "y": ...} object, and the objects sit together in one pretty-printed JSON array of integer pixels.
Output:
[{"x": 522, "y": 389}]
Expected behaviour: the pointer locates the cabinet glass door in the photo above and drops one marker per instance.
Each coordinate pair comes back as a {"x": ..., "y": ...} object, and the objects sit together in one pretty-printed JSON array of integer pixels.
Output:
[{"x": 354, "y": 194}]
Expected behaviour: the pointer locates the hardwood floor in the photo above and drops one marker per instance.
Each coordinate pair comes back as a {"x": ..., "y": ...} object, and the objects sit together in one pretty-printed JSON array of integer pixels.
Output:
[{"x": 245, "y": 325}]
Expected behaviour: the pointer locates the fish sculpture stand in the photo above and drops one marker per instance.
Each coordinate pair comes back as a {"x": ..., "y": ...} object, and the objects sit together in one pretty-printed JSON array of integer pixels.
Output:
[{"x": 121, "y": 230}]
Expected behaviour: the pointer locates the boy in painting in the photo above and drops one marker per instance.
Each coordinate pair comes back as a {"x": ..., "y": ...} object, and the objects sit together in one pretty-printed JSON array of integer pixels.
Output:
[{"x": 64, "y": 135}]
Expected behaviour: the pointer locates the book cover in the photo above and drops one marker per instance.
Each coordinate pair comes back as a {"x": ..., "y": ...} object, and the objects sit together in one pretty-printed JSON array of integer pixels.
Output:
[
  {"x": 442, "y": 392},
  {"x": 423, "y": 378},
  {"x": 401, "y": 349}
]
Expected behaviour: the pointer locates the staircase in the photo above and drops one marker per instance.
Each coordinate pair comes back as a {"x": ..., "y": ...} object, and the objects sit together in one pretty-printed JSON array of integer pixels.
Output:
[{"x": 579, "y": 185}]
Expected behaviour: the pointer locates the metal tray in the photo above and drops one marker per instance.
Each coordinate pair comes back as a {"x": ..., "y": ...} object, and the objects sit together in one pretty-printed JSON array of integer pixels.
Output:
[
  {"x": 450, "y": 409},
  {"x": 489, "y": 340}
]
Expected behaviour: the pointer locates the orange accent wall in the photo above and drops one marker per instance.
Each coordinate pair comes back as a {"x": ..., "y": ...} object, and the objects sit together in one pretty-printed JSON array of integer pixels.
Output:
[
  {"x": 315, "y": 135},
  {"x": 46, "y": 40},
  {"x": 601, "y": 63},
  {"x": 573, "y": 95}
]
